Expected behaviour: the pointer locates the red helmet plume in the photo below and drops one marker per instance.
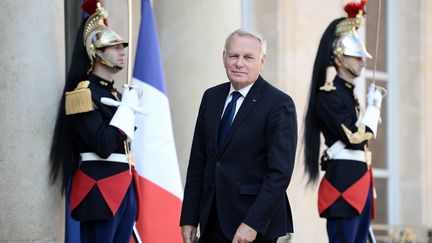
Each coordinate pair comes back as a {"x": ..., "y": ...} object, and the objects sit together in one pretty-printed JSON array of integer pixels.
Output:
[
  {"x": 352, "y": 9},
  {"x": 90, "y": 6}
]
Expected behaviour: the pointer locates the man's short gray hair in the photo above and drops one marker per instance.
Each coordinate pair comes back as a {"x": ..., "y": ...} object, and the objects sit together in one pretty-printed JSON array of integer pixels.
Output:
[{"x": 248, "y": 32}]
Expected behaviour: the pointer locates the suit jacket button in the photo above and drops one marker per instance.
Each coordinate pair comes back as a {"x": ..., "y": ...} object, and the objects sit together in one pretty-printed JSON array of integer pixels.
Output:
[{"x": 218, "y": 163}]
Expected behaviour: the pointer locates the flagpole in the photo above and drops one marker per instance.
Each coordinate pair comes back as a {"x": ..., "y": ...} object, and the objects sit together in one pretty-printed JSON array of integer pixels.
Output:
[
  {"x": 135, "y": 233},
  {"x": 129, "y": 66},
  {"x": 377, "y": 42}
]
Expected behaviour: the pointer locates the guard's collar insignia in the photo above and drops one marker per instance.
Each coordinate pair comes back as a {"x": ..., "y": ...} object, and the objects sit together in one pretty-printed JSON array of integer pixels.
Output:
[
  {"x": 348, "y": 85},
  {"x": 107, "y": 84},
  {"x": 103, "y": 83}
]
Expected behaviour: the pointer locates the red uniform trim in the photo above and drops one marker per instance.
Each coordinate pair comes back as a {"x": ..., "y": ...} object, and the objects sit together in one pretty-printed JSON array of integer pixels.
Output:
[
  {"x": 114, "y": 188},
  {"x": 357, "y": 193},
  {"x": 121, "y": 132},
  {"x": 81, "y": 186},
  {"x": 327, "y": 195},
  {"x": 373, "y": 194}
]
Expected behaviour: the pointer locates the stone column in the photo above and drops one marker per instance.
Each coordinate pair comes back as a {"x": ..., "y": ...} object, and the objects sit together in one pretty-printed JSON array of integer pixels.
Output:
[
  {"x": 410, "y": 114},
  {"x": 191, "y": 37},
  {"x": 426, "y": 90},
  {"x": 32, "y": 69}
]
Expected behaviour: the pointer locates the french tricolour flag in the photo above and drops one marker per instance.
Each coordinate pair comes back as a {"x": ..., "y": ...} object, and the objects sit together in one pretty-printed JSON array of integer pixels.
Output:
[{"x": 153, "y": 145}]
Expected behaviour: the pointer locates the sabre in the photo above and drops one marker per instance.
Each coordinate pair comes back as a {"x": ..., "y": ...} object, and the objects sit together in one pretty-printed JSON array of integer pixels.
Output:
[
  {"x": 130, "y": 37},
  {"x": 135, "y": 233},
  {"x": 381, "y": 89},
  {"x": 129, "y": 69},
  {"x": 371, "y": 235}
]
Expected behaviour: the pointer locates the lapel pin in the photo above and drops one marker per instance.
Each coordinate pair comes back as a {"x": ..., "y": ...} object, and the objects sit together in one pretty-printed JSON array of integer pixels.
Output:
[{"x": 254, "y": 100}]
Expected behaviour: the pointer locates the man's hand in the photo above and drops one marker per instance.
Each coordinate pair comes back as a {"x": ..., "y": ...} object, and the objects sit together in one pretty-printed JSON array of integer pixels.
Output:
[
  {"x": 244, "y": 234},
  {"x": 189, "y": 234},
  {"x": 374, "y": 96}
]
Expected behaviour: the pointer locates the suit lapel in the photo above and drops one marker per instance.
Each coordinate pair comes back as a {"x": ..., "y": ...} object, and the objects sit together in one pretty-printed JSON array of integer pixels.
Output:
[
  {"x": 249, "y": 103},
  {"x": 215, "y": 112}
]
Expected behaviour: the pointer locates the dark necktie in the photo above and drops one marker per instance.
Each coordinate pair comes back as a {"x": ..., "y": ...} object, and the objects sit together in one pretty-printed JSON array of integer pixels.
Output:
[{"x": 227, "y": 118}]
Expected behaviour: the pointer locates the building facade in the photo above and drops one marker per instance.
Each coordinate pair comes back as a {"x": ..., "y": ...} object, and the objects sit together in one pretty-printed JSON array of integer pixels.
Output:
[{"x": 34, "y": 61}]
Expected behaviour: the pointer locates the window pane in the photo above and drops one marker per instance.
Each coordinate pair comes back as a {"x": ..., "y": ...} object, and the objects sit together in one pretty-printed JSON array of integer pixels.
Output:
[
  {"x": 371, "y": 28},
  {"x": 378, "y": 146},
  {"x": 381, "y": 201}
]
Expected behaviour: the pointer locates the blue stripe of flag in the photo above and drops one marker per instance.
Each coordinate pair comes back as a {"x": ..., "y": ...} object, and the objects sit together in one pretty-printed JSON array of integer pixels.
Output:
[
  {"x": 148, "y": 62},
  {"x": 72, "y": 227}
]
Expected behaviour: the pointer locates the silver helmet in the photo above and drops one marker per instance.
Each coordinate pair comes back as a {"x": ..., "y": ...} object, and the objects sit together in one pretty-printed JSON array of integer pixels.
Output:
[
  {"x": 98, "y": 35},
  {"x": 347, "y": 40}
]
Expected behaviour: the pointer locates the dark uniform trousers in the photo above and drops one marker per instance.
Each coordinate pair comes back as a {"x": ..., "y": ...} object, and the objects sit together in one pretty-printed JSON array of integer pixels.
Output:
[
  {"x": 351, "y": 230},
  {"x": 117, "y": 229},
  {"x": 213, "y": 232}
]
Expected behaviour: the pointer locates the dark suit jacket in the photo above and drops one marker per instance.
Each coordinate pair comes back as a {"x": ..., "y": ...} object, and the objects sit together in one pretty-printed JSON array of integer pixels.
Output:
[{"x": 249, "y": 177}]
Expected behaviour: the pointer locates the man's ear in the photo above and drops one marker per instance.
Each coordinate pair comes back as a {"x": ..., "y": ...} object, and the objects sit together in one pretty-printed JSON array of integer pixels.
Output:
[
  {"x": 224, "y": 58},
  {"x": 99, "y": 52},
  {"x": 337, "y": 61}
]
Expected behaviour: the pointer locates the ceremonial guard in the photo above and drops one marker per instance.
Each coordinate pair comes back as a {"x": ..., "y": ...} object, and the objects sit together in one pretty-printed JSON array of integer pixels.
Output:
[
  {"x": 94, "y": 126},
  {"x": 345, "y": 196}
]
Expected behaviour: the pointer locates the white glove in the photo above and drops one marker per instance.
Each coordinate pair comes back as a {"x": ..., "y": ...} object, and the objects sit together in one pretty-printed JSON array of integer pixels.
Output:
[
  {"x": 371, "y": 116},
  {"x": 124, "y": 118},
  {"x": 129, "y": 97},
  {"x": 374, "y": 96},
  {"x": 131, "y": 104}
]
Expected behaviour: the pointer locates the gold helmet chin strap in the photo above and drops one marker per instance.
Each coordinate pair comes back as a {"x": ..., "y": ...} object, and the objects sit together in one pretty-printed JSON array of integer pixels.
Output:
[
  {"x": 347, "y": 66},
  {"x": 108, "y": 63}
]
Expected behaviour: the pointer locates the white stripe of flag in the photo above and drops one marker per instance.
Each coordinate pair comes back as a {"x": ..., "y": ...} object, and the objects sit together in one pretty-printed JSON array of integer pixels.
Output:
[{"x": 157, "y": 164}]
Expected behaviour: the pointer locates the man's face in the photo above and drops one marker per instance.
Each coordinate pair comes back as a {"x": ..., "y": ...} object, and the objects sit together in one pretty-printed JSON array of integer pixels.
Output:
[
  {"x": 355, "y": 64},
  {"x": 116, "y": 55},
  {"x": 243, "y": 60}
]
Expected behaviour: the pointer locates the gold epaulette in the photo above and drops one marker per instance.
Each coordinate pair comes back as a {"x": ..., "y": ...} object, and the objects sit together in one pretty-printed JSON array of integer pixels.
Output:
[
  {"x": 358, "y": 137},
  {"x": 79, "y": 100},
  {"x": 328, "y": 86}
]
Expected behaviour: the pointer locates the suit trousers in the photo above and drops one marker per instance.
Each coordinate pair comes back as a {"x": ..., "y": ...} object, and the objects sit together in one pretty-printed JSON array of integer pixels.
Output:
[
  {"x": 117, "y": 229},
  {"x": 213, "y": 232}
]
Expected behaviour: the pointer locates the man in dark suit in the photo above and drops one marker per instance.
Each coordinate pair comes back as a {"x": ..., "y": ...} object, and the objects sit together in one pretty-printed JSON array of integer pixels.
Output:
[{"x": 242, "y": 154}]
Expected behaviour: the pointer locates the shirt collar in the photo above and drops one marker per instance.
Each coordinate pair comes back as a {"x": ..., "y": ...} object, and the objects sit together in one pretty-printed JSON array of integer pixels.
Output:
[{"x": 243, "y": 91}]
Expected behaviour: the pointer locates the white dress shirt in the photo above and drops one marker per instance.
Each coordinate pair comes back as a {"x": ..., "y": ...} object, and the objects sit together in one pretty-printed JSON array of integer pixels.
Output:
[{"x": 243, "y": 91}]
